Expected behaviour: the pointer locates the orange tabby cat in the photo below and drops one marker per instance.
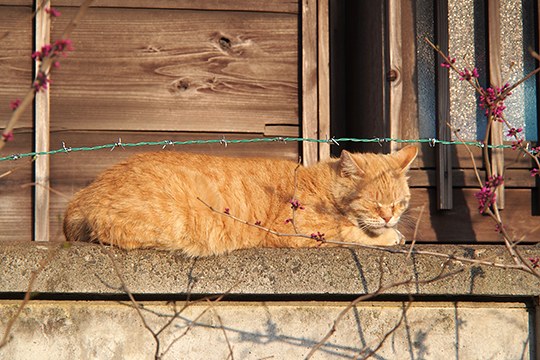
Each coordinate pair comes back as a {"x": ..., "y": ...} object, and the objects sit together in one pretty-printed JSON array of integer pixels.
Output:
[{"x": 170, "y": 200}]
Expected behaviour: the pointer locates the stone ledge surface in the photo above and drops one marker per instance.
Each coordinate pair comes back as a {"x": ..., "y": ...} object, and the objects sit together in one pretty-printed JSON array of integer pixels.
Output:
[{"x": 87, "y": 269}]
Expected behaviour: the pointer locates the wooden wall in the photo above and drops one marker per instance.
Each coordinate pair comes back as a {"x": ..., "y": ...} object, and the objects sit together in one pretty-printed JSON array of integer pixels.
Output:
[{"x": 171, "y": 70}]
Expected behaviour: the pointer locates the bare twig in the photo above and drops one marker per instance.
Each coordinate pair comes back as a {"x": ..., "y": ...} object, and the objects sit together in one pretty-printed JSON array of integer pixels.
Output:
[
  {"x": 45, "y": 67},
  {"x": 27, "y": 295},
  {"x": 387, "y": 334},
  {"x": 380, "y": 290},
  {"x": 417, "y": 225}
]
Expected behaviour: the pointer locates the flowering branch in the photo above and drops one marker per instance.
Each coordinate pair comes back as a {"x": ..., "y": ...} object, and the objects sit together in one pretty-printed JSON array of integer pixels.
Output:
[
  {"x": 492, "y": 101},
  {"x": 47, "y": 59}
]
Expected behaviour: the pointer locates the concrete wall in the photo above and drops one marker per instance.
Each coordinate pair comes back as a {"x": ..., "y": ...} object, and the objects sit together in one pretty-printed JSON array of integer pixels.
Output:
[{"x": 279, "y": 304}]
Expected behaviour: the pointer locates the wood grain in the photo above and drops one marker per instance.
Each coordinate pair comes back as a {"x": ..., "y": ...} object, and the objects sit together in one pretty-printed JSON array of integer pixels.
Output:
[
  {"x": 41, "y": 136},
  {"x": 177, "y": 70},
  {"x": 278, "y": 6},
  {"x": 16, "y": 2},
  {"x": 462, "y": 159},
  {"x": 396, "y": 65},
  {"x": 15, "y": 62},
  {"x": 464, "y": 224},
  {"x": 514, "y": 178},
  {"x": 323, "y": 66},
  {"x": 310, "y": 127},
  {"x": 15, "y": 198}
]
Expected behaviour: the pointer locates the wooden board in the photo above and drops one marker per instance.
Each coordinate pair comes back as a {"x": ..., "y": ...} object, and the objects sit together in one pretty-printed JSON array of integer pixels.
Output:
[
  {"x": 513, "y": 178},
  {"x": 17, "y": 2},
  {"x": 464, "y": 224},
  {"x": 16, "y": 191},
  {"x": 279, "y": 6},
  {"x": 15, "y": 61},
  {"x": 177, "y": 70},
  {"x": 462, "y": 158}
]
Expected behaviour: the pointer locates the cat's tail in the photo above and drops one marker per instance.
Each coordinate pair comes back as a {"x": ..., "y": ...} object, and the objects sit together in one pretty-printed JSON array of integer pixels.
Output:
[{"x": 76, "y": 227}]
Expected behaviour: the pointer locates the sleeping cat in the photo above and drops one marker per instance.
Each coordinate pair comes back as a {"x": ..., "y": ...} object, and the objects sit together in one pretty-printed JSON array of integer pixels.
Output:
[{"x": 172, "y": 200}]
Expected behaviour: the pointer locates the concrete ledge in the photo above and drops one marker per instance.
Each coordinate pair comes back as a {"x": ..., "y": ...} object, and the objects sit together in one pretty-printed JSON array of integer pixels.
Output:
[{"x": 87, "y": 269}]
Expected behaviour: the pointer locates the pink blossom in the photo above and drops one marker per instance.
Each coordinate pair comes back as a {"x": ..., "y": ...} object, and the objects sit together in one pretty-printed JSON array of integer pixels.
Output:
[
  {"x": 494, "y": 181},
  {"x": 517, "y": 144},
  {"x": 514, "y": 132},
  {"x": 227, "y": 211},
  {"x": 535, "y": 172},
  {"x": 14, "y": 104},
  {"x": 535, "y": 262},
  {"x": 317, "y": 236},
  {"x": 486, "y": 198},
  {"x": 492, "y": 100},
  {"x": 7, "y": 136},
  {"x": 446, "y": 64},
  {"x": 46, "y": 50},
  {"x": 53, "y": 12},
  {"x": 63, "y": 45},
  {"x": 295, "y": 204},
  {"x": 289, "y": 220},
  {"x": 42, "y": 82},
  {"x": 258, "y": 223},
  {"x": 465, "y": 74}
]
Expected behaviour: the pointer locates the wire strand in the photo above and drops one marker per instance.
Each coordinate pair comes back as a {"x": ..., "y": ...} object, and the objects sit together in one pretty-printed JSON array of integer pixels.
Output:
[{"x": 224, "y": 141}]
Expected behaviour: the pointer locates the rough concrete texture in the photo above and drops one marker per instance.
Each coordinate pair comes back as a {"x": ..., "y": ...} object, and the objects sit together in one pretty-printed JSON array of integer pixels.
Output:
[
  {"x": 87, "y": 269},
  {"x": 110, "y": 330}
]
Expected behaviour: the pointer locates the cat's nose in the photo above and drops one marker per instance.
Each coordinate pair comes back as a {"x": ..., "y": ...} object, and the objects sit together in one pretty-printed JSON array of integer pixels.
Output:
[{"x": 386, "y": 218}]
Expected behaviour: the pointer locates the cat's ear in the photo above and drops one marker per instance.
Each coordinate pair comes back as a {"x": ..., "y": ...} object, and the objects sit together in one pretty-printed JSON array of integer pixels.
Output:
[
  {"x": 348, "y": 167},
  {"x": 405, "y": 157}
]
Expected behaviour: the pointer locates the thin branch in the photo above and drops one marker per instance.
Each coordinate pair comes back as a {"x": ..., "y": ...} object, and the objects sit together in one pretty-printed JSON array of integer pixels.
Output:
[
  {"x": 44, "y": 67},
  {"x": 380, "y": 290},
  {"x": 417, "y": 225},
  {"x": 388, "y": 333},
  {"x": 27, "y": 295}
]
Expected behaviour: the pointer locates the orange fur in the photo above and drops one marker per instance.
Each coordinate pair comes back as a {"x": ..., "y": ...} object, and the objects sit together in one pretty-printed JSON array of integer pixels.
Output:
[{"x": 152, "y": 201}]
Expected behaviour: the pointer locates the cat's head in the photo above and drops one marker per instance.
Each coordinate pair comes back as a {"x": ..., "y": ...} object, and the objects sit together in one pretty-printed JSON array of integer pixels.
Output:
[{"x": 372, "y": 190}]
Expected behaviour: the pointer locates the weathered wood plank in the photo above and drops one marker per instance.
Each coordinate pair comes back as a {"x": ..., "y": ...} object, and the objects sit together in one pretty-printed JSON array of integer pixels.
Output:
[
  {"x": 15, "y": 62},
  {"x": 82, "y": 167},
  {"x": 16, "y": 191},
  {"x": 177, "y": 70},
  {"x": 396, "y": 64},
  {"x": 310, "y": 118},
  {"x": 278, "y": 6},
  {"x": 464, "y": 223},
  {"x": 514, "y": 178},
  {"x": 462, "y": 159},
  {"x": 41, "y": 136},
  {"x": 282, "y": 130},
  {"x": 323, "y": 66},
  {"x": 16, "y": 2}
]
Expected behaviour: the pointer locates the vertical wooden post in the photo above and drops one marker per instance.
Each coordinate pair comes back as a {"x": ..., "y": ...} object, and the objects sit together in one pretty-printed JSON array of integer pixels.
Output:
[
  {"x": 41, "y": 128},
  {"x": 495, "y": 78},
  {"x": 444, "y": 153},
  {"x": 323, "y": 63},
  {"x": 394, "y": 76},
  {"x": 310, "y": 128}
]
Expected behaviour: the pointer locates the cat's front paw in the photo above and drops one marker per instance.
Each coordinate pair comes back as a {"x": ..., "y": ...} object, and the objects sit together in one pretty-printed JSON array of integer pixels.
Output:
[{"x": 389, "y": 237}]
